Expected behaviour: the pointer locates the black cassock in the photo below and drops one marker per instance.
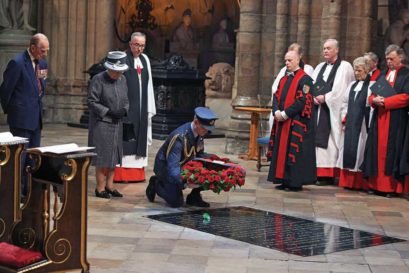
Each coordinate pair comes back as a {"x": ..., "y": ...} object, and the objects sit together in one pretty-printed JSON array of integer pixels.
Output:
[
  {"x": 137, "y": 119},
  {"x": 292, "y": 142},
  {"x": 357, "y": 112}
]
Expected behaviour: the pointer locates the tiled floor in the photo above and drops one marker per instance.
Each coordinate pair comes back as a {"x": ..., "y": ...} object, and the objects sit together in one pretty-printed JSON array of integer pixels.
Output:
[{"x": 120, "y": 239}]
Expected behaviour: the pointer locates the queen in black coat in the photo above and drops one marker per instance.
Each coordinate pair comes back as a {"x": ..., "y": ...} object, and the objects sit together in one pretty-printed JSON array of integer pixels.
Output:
[{"x": 108, "y": 104}]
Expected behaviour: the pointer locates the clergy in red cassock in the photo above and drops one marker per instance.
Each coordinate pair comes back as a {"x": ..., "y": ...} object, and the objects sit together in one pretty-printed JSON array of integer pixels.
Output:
[
  {"x": 355, "y": 119},
  {"x": 383, "y": 151},
  {"x": 292, "y": 145}
]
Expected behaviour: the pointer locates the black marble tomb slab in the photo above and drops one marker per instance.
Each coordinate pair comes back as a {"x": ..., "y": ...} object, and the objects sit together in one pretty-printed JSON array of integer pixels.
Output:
[{"x": 276, "y": 231}]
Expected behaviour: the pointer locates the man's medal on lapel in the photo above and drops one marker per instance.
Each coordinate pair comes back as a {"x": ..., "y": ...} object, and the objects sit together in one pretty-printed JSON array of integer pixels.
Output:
[{"x": 42, "y": 74}]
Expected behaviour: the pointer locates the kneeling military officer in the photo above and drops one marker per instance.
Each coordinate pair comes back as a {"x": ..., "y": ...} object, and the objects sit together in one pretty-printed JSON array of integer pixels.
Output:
[{"x": 182, "y": 145}]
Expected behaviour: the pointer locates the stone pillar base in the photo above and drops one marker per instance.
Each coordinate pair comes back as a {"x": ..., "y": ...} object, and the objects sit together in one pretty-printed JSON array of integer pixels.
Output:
[
  {"x": 65, "y": 102},
  {"x": 222, "y": 108}
]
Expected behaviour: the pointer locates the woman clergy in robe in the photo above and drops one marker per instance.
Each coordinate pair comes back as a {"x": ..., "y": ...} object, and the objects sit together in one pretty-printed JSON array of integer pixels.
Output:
[
  {"x": 108, "y": 104},
  {"x": 354, "y": 116}
]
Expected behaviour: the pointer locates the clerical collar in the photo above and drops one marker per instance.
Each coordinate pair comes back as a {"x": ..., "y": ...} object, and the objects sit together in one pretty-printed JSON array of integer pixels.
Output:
[
  {"x": 138, "y": 62},
  {"x": 292, "y": 73},
  {"x": 390, "y": 76},
  {"x": 359, "y": 86},
  {"x": 332, "y": 63}
]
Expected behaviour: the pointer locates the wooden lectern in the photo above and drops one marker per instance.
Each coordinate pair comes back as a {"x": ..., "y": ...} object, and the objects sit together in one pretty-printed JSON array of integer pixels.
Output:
[{"x": 56, "y": 227}]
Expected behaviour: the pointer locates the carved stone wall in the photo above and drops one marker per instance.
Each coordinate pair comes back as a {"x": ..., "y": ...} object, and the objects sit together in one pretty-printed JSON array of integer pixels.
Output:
[
  {"x": 80, "y": 33},
  {"x": 268, "y": 27}
]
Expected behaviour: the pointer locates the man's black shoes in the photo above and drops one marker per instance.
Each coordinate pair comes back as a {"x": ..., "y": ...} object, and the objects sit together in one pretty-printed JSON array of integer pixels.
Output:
[
  {"x": 325, "y": 181},
  {"x": 196, "y": 200},
  {"x": 150, "y": 189},
  {"x": 281, "y": 187}
]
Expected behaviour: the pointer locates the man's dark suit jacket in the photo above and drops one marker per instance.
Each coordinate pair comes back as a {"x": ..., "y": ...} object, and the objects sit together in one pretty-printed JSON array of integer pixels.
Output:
[{"x": 19, "y": 93}]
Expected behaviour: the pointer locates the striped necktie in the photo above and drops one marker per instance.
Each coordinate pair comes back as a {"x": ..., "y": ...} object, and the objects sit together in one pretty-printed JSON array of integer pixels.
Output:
[{"x": 37, "y": 72}]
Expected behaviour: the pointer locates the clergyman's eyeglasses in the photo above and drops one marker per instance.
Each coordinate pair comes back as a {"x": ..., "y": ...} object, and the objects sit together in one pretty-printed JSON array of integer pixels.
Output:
[{"x": 136, "y": 45}]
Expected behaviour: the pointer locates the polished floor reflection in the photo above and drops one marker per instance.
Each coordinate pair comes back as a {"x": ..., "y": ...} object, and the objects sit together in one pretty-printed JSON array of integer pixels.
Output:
[{"x": 272, "y": 230}]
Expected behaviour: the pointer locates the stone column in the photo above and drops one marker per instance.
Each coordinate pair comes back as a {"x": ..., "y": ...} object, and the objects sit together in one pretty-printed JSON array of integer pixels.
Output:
[
  {"x": 331, "y": 20},
  {"x": 313, "y": 53},
  {"x": 80, "y": 33},
  {"x": 304, "y": 24},
  {"x": 247, "y": 70},
  {"x": 281, "y": 39},
  {"x": 267, "y": 54},
  {"x": 248, "y": 53},
  {"x": 360, "y": 28}
]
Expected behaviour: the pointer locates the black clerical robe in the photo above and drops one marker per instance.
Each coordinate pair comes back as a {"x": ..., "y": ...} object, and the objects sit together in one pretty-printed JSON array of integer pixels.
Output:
[{"x": 292, "y": 143}]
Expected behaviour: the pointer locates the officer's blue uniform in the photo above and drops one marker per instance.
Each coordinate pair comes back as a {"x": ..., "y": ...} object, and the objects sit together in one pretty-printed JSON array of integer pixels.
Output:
[{"x": 179, "y": 147}]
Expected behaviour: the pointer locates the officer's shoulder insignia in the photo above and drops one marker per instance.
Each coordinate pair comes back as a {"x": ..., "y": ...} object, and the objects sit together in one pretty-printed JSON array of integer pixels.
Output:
[
  {"x": 171, "y": 144},
  {"x": 306, "y": 89}
]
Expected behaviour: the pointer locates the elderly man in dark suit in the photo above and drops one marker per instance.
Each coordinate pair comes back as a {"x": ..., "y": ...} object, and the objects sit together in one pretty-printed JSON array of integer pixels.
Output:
[{"x": 23, "y": 89}]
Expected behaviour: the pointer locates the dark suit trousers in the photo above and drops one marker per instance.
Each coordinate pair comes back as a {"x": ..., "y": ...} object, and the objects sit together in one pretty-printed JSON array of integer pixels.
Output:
[{"x": 34, "y": 138}]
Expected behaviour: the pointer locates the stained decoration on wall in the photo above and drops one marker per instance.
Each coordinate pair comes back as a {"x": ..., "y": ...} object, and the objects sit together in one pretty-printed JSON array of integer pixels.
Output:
[
  {"x": 144, "y": 19},
  {"x": 141, "y": 19}
]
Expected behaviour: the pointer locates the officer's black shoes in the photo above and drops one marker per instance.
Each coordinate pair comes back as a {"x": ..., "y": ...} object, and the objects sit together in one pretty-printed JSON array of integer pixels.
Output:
[
  {"x": 196, "y": 200},
  {"x": 150, "y": 189}
]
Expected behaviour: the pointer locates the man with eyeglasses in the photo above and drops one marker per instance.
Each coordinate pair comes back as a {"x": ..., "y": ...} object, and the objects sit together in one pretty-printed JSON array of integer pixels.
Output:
[
  {"x": 22, "y": 91},
  {"x": 138, "y": 123}
]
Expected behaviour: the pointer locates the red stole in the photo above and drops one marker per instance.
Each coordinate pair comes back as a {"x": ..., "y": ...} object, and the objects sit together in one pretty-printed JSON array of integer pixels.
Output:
[
  {"x": 286, "y": 125},
  {"x": 375, "y": 74}
]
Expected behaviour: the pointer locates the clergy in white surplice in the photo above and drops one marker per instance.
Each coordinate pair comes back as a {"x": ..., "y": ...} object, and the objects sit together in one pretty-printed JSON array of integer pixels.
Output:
[
  {"x": 331, "y": 79},
  {"x": 137, "y": 130}
]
